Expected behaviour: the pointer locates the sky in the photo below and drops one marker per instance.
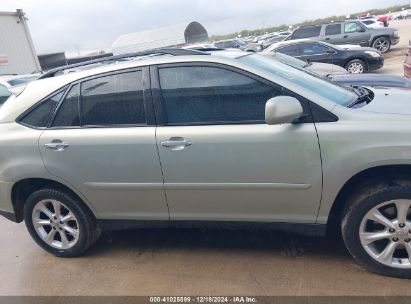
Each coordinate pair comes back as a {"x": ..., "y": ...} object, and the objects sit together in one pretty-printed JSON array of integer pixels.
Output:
[{"x": 88, "y": 25}]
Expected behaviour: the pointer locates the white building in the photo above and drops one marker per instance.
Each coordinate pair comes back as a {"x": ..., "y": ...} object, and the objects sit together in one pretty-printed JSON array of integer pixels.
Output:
[
  {"x": 172, "y": 36},
  {"x": 17, "y": 53}
]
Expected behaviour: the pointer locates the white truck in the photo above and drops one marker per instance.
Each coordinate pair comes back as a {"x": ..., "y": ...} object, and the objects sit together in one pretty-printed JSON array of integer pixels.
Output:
[{"x": 17, "y": 53}]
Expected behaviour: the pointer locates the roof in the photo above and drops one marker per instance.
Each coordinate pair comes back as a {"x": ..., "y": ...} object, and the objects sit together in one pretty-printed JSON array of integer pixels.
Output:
[{"x": 162, "y": 37}]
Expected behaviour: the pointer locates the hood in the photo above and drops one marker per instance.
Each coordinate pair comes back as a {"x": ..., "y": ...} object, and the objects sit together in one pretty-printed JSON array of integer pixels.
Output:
[
  {"x": 325, "y": 69},
  {"x": 356, "y": 47},
  {"x": 390, "y": 101}
]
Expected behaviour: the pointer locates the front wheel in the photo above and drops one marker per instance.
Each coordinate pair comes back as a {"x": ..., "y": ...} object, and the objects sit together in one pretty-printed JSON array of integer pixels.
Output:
[
  {"x": 356, "y": 66},
  {"x": 382, "y": 44},
  {"x": 59, "y": 223},
  {"x": 376, "y": 229}
]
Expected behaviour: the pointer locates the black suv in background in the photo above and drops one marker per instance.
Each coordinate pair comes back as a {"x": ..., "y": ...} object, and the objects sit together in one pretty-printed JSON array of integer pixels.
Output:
[{"x": 350, "y": 32}]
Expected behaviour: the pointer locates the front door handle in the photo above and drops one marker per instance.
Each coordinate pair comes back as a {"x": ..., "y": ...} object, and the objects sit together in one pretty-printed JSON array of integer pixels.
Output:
[
  {"x": 176, "y": 143},
  {"x": 56, "y": 145}
]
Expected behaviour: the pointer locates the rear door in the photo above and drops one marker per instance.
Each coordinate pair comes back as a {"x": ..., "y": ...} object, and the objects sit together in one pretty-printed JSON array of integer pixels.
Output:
[
  {"x": 221, "y": 161},
  {"x": 334, "y": 33},
  {"x": 102, "y": 142}
]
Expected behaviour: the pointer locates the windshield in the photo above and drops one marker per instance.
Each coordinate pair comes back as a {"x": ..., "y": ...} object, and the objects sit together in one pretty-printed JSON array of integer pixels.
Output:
[{"x": 309, "y": 81}]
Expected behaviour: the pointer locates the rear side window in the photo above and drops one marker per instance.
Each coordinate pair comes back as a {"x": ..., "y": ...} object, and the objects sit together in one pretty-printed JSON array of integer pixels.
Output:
[
  {"x": 291, "y": 50},
  {"x": 211, "y": 95},
  {"x": 312, "y": 49},
  {"x": 68, "y": 113},
  {"x": 333, "y": 29},
  {"x": 307, "y": 32},
  {"x": 40, "y": 116},
  {"x": 113, "y": 100}
]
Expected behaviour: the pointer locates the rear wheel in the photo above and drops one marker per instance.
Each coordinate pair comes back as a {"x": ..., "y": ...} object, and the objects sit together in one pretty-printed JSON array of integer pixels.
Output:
[
  {"x": 59, "y": 223},
  {"x": 376, "y": 229},
  {"x": 382, "y": 44},
  {"x": 356, "y": 66}
]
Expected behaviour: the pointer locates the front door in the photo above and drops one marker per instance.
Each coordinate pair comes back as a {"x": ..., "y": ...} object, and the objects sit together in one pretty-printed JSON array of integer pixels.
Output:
[
  {"x": 221, "y": 162},
  {"x": 101, "y": 143}
]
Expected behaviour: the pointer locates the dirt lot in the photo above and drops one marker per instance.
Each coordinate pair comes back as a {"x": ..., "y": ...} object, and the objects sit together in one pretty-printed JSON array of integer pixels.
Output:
[{"x": 195, "y": 262}]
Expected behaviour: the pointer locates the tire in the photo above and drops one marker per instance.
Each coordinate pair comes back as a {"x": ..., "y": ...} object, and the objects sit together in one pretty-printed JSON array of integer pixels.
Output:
[
  {"x": 356, "y": 66},
  {"x": 356, "y": 220},
  {"x": 80, "y": 233},
  {"x": 382, "y": 44}
]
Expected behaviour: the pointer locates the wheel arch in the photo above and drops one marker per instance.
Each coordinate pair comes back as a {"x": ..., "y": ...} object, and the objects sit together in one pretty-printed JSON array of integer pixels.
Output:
[
  {"x": 380, "y": 36},
  {"x": 379, "y": 173},
  {"x": 22, "y": 189}
]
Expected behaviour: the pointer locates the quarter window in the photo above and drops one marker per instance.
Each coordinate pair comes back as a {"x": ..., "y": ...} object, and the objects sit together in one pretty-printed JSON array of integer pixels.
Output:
[
  {"x": 113, "y": 100},
  {"x": 333, "y": 29},
  {"x": 40, "y": 116},
  {"x": 204, "y": 95}
]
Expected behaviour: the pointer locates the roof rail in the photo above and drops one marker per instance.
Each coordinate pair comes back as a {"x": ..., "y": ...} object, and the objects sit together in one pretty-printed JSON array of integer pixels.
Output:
[{"x": 173, "y": 52}]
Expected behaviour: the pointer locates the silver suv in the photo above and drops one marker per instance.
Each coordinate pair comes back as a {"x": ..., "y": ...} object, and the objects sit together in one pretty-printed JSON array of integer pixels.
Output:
[{"x": 199, "y": 138}]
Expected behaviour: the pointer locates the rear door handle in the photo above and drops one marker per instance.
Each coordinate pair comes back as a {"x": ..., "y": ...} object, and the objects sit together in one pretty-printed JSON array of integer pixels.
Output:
[
  {"x": 176, "y": 143},
  {"x": 56, "y": 145},
  {"x": 346, "y": 36}
]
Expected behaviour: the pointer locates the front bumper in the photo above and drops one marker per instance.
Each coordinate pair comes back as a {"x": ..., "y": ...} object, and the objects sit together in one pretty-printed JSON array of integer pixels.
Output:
[
  {"x": 9, "y": 215},
  {"x": 375, "y": 63},
  {"x": 395, "y": 40}
]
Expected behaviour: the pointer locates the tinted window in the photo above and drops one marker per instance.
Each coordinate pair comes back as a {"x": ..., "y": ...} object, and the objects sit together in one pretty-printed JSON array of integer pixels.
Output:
[
  {"x": 333, "y": 29},
  {"x": 213, "y": 95},
  {"x": 368, "y": 22},
  {"x": 113, "y": 100},
  {"x": 68, "y": 113},
  {"x": 291, "y": 50},
  {"x": 351, "y": 27},
  {"x": 312, "y": 49},
  {"x": 41, "y": 115},
  {"x": 307, "y": 32},
  {"x": 4, "y": 94}
]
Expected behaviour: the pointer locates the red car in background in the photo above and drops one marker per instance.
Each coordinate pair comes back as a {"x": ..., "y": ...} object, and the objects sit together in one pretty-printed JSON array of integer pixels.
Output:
[
  {"x": 407, "y": 63},
  {"x": 385, "y": 19}
]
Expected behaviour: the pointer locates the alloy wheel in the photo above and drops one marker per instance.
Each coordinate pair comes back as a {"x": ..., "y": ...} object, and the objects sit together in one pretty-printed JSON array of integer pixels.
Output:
[
  {"x": 385, "y": 234},
  {"x": 355, "y": 68},
  {"x": 382, "y": 46},
  {"x": 55, "y": 224}
]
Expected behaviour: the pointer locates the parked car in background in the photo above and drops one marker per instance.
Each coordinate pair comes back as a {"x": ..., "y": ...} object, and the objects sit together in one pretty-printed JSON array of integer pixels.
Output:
[
  {"x": 407, "y": 63},
  {"x": 385, "y": 19},
  {"x": 319, "y": 68},
  {"x": 373, "y": 23},
  {"x": 238, "y": 44},
  {"x": 354, "y": 59},
  {"x": 350, "y": 32},
  {"x": 372, "y": 80}
]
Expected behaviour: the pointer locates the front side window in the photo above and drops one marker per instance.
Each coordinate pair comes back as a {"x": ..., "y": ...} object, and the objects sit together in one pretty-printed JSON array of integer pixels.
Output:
[
  {"x": 333, "y": 29},
  {"x": 113, "y": 100},
  {"x": 211, "y": 95},
  {"x": 40, "y": 116},
  {"x": 352, "y": 27}
]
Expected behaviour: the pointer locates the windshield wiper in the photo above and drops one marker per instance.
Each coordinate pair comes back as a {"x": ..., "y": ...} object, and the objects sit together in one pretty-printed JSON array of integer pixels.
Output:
[{"x": 364, "y": 95}]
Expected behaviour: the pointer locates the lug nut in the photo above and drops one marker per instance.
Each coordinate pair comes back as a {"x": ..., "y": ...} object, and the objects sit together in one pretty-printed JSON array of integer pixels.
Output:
[
  {"x": 54, "y": 228},
  {"x": 61, "y": 223},
  {"x": 402, "y": 225},
  {"x": 407, "y": 240},
  {"x": 395, "y": 239},
  {"x": 55, "y": 218},
  {"x": 392, "y": 230}
]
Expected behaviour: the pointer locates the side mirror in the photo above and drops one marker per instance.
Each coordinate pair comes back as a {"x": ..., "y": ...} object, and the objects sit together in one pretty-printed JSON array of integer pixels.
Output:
[{"x": 282, "y": 109}]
